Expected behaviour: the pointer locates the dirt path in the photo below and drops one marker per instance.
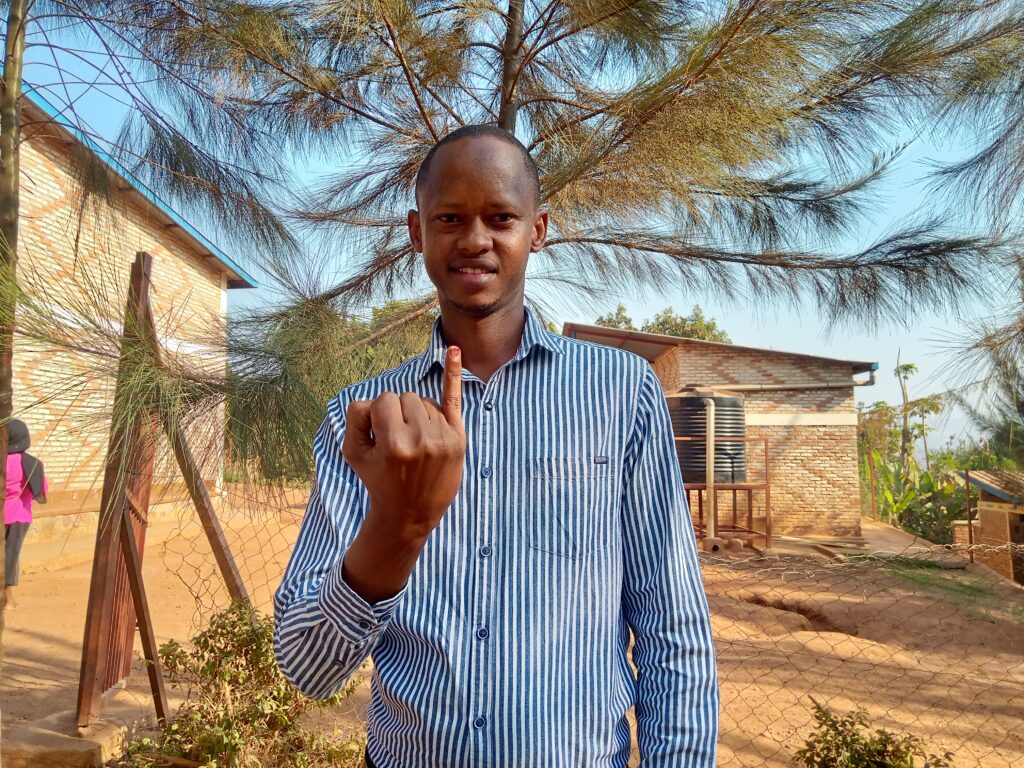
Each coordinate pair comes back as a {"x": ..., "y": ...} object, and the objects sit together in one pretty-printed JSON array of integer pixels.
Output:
[{"x": 924, "y": 650}]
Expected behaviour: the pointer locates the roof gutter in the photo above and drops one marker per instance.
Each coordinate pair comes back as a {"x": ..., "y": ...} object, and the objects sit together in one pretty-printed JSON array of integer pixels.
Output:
[{"x": 777, "y": 387}]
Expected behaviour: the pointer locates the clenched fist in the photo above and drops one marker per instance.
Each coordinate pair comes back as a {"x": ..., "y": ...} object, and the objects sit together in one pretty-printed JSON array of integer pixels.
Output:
[{"x": 409, "y": 453}]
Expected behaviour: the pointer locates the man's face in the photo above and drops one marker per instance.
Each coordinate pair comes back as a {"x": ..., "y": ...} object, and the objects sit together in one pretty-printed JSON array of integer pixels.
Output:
[{"x": 477, "y": 224}]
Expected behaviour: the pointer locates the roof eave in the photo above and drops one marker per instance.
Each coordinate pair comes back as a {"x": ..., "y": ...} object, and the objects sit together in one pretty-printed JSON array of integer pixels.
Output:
[
  {"x": 237, "y": 277},
  {"x": 994, "y": 490},
  {"x": 571, "y": 329}
]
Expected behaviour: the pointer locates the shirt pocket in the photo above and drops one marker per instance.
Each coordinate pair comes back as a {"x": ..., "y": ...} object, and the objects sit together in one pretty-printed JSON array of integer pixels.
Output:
[{"x": 567, "y": 496}]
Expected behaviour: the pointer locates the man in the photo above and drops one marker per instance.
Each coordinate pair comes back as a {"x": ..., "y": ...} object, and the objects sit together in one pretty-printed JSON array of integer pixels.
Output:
[{"x": 491, "y": 519}]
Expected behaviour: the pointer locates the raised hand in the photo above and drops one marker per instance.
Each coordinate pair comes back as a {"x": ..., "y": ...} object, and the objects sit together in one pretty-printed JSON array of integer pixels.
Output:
[{"x": 409, "y": 453}]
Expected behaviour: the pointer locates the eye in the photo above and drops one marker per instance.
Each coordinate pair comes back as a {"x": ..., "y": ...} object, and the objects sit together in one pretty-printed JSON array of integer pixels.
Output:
[
  {"x": 448, "y": 218},
  {"x": 503, "y": 218}
]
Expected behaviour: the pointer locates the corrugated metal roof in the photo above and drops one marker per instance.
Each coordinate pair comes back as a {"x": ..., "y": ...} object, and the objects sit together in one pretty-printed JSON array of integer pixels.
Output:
[
  {"x": 237, "y": 277},
  {"x": 650, "y": 345},
  {"x": 1004, "y": 484}
]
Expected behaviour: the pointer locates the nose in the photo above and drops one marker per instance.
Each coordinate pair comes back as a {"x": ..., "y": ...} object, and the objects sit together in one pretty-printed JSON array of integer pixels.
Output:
[{"x": 474, "y": 238}]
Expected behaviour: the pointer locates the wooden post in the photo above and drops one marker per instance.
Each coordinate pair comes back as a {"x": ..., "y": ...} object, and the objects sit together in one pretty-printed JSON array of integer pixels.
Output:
[
  {"x": 970, "y": 522},
  {"x": 207, "y": 514},
  {"x": 117, "y": 595},
  {"x": 149, "y": 649},
  {"x": 99, "y": 653},
  {"x": 871, "y": 475}
]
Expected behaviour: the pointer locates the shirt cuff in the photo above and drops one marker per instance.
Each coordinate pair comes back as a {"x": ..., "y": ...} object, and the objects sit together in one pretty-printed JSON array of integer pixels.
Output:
[{"x": 356, "y": 620}]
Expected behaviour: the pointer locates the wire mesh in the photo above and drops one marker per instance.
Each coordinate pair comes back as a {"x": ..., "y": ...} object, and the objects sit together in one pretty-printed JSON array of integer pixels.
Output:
[{"x": 925, "y": 643}]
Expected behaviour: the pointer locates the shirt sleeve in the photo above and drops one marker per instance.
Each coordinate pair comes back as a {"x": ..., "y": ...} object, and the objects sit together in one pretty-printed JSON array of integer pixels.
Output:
[
  {"x": 323, "y": 630},
  {"x": 664, "y": 600},
  {"x": 36, "y": 477}
]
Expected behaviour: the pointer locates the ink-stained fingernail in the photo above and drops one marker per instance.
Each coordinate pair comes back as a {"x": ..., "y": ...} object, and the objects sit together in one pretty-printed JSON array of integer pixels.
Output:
[{"x": 456, "y": 353}]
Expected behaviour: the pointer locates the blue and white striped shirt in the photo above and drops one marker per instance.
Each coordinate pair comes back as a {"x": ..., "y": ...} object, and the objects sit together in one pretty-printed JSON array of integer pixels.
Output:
[{"x": 507, "y": 646}]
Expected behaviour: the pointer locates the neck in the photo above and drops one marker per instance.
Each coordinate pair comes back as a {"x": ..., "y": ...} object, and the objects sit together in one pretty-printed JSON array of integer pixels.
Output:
[{"x": 488, "y": 342}]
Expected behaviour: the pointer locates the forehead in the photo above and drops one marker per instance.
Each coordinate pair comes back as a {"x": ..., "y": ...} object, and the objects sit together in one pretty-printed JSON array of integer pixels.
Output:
[{"x": 476, "y": 169}]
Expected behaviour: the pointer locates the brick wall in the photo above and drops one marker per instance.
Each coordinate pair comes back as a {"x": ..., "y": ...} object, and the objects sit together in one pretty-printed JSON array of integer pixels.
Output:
[
  {"x": 961, "y": 536},
  {"x": 666, "y": 368},
  {"x": 994, "y": 531},
  {"x": 812, "y": 432},
  {"x": 75, "y": 259}
]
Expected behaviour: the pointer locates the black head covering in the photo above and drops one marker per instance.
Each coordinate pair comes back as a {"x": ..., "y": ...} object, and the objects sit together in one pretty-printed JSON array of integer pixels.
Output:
[{"x": 18, "y": 441}]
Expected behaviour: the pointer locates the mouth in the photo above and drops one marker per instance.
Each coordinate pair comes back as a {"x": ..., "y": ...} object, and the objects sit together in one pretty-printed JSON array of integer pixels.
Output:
[{"x": 472, "y": 276}]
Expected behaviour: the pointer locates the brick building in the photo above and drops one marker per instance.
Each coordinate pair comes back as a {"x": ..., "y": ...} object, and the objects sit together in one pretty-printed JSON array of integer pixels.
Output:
[
  {"x": 804, "y": 404},
  {"x": 75, "y": 255}
]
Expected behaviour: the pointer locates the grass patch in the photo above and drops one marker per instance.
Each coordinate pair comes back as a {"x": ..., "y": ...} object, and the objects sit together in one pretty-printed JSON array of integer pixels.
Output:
[
  {"x": 942, "y": 581},
  {"x": 984, "y": 602}
]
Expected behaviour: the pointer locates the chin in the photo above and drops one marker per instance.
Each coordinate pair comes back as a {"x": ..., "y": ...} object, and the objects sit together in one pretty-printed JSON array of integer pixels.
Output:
[
  {"x": 477, "y": 306},
  {"x": 477, "y": 309}
]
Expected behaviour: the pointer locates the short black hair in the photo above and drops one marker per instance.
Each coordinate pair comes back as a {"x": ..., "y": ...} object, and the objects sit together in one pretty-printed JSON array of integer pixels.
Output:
[{"x": 473, "y": 131}]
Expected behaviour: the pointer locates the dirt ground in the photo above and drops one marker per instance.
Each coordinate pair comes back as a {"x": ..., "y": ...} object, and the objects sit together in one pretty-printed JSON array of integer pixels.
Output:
[{"x": 924, "y": 650}]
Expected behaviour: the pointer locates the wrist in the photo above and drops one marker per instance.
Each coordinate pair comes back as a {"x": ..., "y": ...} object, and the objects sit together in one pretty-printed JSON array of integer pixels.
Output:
[
  {"x": 380, "y": 560},
  {"x": 396, "y": 529}
]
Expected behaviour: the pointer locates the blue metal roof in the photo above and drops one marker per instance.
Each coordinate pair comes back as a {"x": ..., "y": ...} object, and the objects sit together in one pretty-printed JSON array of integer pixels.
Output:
[
  {"x": 239, "y": 277},
  {"x": 1007, "y": 485}
]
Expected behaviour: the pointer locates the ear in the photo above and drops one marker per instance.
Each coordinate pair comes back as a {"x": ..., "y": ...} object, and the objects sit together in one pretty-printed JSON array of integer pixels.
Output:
[
  {"x": 540, "y": 231},
  {"x": 415, "y": 233}
]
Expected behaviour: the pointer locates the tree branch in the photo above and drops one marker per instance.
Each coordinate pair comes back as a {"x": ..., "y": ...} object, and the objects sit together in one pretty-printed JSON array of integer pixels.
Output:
[{"x": 397, "y": 48}]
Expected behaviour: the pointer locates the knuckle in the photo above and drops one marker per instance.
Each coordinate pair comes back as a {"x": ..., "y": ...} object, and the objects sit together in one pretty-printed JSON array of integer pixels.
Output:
[{"x": 399, "y": 451}]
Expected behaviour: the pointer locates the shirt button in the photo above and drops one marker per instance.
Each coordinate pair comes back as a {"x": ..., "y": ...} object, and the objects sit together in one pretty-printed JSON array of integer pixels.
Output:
[
  {"x": 488, "y": 406},
  {"x": 479, "y": 722},
  {"x": 485, "y": 551},
  {"x": 482, "y": 633},
  {"x": 364, "y": 624},
  {"x": 485, "y": 472}
]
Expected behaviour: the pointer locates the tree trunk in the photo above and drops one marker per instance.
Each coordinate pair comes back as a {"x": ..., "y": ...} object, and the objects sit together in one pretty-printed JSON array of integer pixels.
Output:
[
  {"x": 10, "y": 179},
  {"x": 924, "y": 441},
  {"x": 511, "y": 61},
  {"x": 906, "y": 438}
]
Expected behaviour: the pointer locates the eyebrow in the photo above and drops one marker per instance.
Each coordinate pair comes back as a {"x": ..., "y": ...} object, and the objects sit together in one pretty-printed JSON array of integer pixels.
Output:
[{"x": 503, "y": 203}]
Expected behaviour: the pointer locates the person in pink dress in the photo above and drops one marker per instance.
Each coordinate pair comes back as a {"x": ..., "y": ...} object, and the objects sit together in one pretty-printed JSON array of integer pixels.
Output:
[{"x": 26, "y": 482}]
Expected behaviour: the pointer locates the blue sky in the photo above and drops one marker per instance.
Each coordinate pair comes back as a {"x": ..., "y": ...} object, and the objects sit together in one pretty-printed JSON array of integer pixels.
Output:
[
  {"x": 923, "y": 339},
  {"x": 916, "y": 339}
]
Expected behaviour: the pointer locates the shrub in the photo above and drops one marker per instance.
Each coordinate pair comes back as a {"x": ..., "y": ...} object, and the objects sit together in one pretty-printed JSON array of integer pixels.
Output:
[
  {"x": 841, "y": 742},
  {"x": 921, "y": 502},
  {"x": 239, "y": 710}
]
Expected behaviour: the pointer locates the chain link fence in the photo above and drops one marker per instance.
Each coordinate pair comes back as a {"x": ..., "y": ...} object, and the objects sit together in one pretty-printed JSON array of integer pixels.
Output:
[{"x": 924, "y": 642}]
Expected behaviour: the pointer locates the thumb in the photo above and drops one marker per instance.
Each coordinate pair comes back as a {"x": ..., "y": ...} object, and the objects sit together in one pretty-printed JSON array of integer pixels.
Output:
[{"x": 358, "y": 429}]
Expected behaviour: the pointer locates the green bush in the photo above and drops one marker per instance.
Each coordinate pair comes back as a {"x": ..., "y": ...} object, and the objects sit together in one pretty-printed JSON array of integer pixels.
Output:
[
  {"x": 920, "y": 502},
  {"x": 239, "y": 710},
  {"x": 841, "y": 742}
]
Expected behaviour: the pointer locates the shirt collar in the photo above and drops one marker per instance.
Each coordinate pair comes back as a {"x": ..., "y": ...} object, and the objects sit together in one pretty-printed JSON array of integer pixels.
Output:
[{"x": 534, "y": 335}]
